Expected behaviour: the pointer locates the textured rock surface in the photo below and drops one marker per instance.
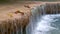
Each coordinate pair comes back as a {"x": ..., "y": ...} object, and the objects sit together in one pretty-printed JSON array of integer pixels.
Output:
[{"x": 8, "y": 15}]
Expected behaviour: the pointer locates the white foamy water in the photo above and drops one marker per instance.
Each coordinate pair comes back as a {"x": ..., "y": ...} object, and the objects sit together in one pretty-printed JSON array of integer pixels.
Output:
[
  {"x": 44, "y": 26},
  {"x": 47, "y": 24}
]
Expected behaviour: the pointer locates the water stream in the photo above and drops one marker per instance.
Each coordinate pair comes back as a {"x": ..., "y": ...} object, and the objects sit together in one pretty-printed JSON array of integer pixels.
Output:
[{"x": 45, "y": 19}]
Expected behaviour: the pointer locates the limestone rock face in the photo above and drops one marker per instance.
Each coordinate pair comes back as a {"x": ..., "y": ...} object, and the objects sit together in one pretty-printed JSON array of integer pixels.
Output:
[{"x": 13, "y": 22}]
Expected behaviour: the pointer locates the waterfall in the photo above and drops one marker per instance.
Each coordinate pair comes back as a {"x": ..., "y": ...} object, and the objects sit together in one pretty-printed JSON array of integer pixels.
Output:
[
  {"x": 48, "y": 24},
  {"x": 45, "y": 19}
]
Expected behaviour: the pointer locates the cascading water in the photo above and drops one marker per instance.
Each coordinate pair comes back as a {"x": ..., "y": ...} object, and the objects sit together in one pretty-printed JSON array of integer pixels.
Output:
[
  {"x": 48, "y": 24},
  {"x": 45, "y": 19}
]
